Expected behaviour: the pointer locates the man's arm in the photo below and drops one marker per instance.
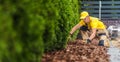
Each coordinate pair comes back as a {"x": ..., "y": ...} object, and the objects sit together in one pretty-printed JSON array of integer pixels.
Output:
[
  {"x": 93, "y": 33},
  {"x": 75, "y": 28}
]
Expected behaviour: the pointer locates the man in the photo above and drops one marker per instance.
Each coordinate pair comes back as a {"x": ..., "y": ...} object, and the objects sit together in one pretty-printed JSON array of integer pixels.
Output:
[{"x": 95, "y": 26}]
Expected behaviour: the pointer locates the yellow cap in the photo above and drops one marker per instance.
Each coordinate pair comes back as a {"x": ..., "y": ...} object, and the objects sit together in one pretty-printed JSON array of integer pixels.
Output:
[{"x": 83, "y": 14}]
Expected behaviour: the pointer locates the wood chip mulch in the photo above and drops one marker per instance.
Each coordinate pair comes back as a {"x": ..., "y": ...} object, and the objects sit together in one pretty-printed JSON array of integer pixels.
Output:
[{"x": 78, "y": 51}]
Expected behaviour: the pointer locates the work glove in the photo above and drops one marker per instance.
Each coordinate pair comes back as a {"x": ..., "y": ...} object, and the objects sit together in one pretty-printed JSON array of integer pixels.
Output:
[
  {"x": 69, "y": 37},
  {"x": 88, "y": 40}
]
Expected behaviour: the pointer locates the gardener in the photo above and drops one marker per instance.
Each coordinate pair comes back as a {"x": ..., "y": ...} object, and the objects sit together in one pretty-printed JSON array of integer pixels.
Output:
[{"x": 95, "y": 26}]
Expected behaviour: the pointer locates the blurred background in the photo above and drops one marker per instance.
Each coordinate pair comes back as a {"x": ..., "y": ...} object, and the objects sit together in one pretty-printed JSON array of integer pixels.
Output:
[{"x": 28, "y": 28}]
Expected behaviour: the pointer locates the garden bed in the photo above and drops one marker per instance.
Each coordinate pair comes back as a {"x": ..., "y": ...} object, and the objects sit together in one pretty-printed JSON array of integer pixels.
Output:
[{"x": 78, "y": 51}]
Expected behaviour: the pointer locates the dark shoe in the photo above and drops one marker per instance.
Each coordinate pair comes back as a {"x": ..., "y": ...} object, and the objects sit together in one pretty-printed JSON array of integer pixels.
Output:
[
  {"x": 101, "y": 43},
  {"x": 88, "y": 40}
]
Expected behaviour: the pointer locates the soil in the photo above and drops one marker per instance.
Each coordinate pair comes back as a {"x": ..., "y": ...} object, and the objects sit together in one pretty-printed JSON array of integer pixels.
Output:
[{"x": 78, "y": 51}]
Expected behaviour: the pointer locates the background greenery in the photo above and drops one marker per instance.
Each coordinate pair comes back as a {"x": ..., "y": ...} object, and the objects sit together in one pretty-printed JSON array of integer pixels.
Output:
[{"x": 28, "y": 28}]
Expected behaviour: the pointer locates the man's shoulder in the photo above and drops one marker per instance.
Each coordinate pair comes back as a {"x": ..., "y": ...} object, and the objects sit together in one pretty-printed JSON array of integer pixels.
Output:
[{"x": 94, "y": 18}]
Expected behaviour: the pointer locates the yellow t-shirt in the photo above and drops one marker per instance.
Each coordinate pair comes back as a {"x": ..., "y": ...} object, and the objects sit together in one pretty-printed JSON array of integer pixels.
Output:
[{"x": 94, "y": 23}]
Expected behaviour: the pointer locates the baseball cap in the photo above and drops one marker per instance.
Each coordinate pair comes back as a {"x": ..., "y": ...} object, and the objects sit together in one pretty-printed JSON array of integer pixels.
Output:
[{"x": 83, "y": 14}]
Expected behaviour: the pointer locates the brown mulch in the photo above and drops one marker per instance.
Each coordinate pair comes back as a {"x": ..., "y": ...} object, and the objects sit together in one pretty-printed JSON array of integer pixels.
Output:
[{"x": 78, "y": 51}]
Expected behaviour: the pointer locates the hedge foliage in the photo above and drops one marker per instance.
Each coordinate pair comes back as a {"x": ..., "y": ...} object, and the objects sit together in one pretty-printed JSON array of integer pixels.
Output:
[
  {"x": 61, "y": 16},
  {"x": 30, "y": 27}
]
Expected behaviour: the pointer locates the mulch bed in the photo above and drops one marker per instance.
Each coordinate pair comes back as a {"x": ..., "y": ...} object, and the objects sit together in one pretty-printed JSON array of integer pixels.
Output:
[{"x": 78, "y": 51}]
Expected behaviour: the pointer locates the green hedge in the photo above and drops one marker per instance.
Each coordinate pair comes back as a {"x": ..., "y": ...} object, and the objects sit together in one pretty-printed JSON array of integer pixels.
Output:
[
  {"x": 61, "y": 16},
  {"x": 30, "y": 27},
  {"x": 21, "y": 31}
]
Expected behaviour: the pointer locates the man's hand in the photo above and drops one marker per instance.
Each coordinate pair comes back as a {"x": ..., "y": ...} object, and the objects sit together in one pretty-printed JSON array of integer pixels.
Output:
[
  {"x": 69, "y": 37},
  {"x": 88, "y": 41},
  {"x": 70, "y": 34}
]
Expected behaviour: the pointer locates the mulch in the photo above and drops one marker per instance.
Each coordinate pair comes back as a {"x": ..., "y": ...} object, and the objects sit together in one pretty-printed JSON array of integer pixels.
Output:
[{"x": 78, "y": 51}]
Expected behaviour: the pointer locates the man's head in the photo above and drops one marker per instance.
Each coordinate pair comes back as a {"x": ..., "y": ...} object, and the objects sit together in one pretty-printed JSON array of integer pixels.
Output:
[{"x": 85, "y": 16}]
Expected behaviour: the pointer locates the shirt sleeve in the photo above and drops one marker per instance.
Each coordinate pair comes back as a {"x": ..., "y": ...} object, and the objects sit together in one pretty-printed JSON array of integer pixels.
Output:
[{"x": 81, "y": 23}]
